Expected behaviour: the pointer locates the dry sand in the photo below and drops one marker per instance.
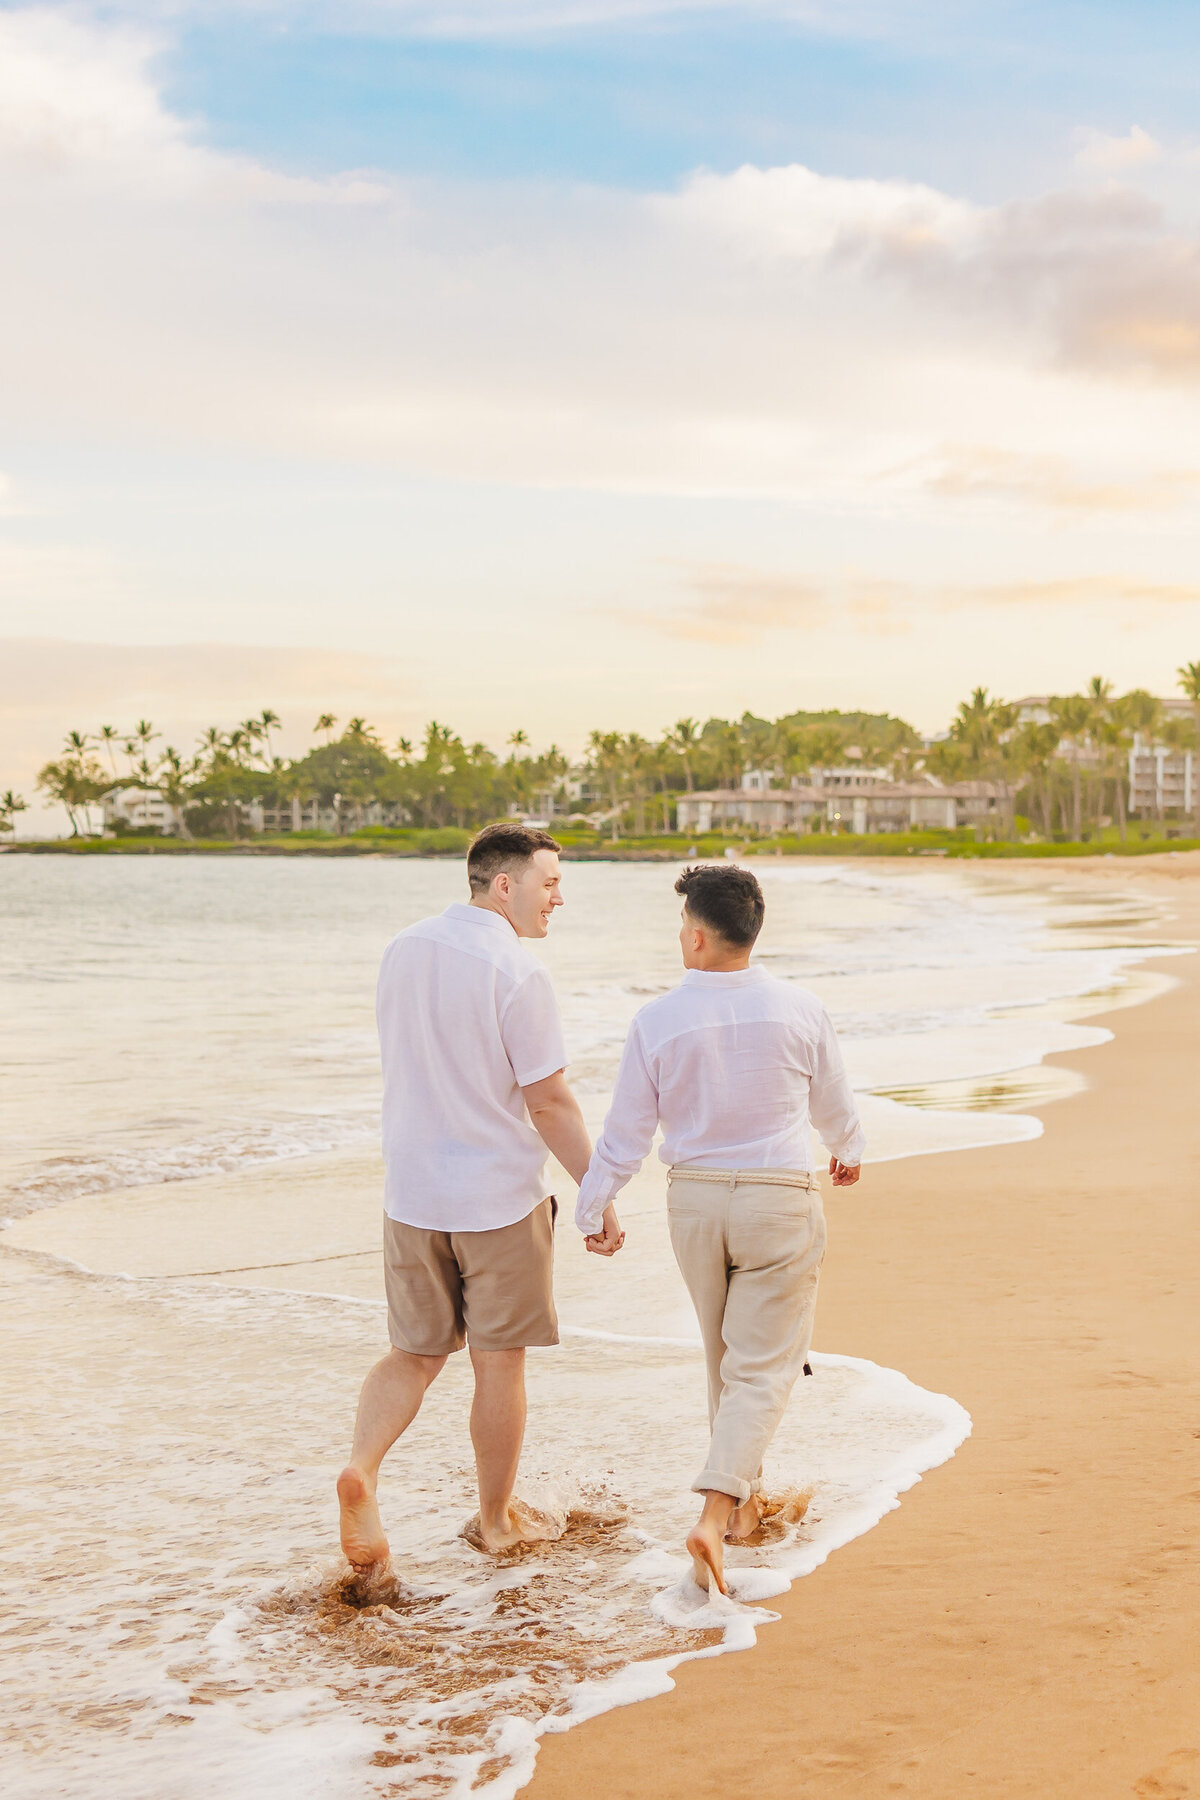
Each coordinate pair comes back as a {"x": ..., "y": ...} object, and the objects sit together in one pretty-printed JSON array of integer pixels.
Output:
[{"x": 1026, "y": 1623}]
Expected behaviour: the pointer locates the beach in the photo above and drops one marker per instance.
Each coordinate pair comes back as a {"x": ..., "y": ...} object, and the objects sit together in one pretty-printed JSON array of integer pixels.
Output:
[
  {"x": 1024, "y": 1623},
  {"x": 192, "y": 1288}
]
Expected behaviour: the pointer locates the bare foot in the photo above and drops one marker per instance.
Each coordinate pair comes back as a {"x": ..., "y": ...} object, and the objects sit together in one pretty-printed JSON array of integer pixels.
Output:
[
  {"x": 522, "y": 1525},
  {"x": 363, "y": 1540},
  {"x": 744, "y": 1520},
  {"x": 708, "y": 1560}
]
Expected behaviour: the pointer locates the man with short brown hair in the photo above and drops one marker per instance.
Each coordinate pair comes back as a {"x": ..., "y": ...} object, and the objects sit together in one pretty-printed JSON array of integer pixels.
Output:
[
  {"x": 737, "y": 1067},
  {"x": 474, "y": 1094}
]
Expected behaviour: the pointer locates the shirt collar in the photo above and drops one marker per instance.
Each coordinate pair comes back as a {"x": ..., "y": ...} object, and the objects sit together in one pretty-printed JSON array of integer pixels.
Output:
[
  {"x": 724, "y": 977},
  {"x": 478, "y": 915}
]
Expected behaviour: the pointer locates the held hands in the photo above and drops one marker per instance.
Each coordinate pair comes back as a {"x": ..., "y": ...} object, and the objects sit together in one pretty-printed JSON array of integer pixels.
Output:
[
  {"x": 608, "y": 1241},
  {"x": 844, "y": 1174}
]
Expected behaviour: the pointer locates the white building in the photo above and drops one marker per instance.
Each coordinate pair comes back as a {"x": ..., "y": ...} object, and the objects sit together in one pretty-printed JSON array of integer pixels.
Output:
[
  {"x": 1160, "y": 780},
  {"x": 137, "y": 808},
  {"x": 874, "y": 805}
]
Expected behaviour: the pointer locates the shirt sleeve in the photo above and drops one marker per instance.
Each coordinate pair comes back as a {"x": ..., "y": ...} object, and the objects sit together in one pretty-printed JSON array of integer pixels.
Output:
[
  {"x": 626, "y": 1138},
  {"x": 531, "y": 1030},
  {"x": 832, "y": 1104}
]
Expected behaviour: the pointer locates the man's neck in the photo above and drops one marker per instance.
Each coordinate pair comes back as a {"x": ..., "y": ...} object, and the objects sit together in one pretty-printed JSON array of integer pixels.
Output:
[{"x": 485, "y": 904}]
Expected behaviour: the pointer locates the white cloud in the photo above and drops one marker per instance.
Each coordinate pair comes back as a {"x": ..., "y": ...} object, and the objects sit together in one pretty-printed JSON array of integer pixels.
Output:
[
  {"x": 1113, "y": 155},
  {"x": 772, "y": 331},
  {"x": 497, "y": 19}
]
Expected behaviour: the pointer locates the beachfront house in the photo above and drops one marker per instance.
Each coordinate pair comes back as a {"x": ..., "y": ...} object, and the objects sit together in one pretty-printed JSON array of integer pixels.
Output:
[
  {"x": 840, "y": 799},
  {"x": 138, "y": 809}
]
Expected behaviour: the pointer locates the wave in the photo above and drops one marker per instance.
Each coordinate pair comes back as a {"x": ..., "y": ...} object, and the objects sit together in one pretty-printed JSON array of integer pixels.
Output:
[{"x": 241, "y": 1146}]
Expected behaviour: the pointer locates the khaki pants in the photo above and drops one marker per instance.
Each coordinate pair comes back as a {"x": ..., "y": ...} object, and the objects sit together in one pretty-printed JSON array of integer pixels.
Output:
[{"x": 749, "y": 1244}]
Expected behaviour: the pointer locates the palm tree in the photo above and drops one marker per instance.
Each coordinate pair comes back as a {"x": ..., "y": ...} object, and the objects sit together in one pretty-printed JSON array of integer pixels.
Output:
[
  {"x": 1141, "y": 714},
  {"x": 109, "y": 735},
  {"x": 326, "y": 723},
  {"x": 10, "y": 805},
  {"x": 983, "y": 729},
  {"x": 172, "y": 784},
  {"x": 682, "y": 739},
  {"x": 1033, "y": 750},
  {"x": 1073, "y": 715},
  {"x": 267, "y": 722},
  {"x": 145, "y": 734},
  {"x": 1189, "y": 681},
  {"x": 606, "y": 747}
]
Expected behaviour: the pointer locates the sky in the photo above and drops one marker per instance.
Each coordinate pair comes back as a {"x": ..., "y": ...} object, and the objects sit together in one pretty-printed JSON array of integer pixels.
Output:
[{"x": 551, "y": 364}]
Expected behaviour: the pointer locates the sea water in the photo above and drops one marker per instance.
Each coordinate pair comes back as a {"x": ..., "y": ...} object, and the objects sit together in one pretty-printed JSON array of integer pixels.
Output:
[{"x": 191, "y": 1294}]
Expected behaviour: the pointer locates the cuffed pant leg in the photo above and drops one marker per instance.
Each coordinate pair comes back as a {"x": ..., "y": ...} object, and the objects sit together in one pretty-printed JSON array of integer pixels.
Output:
[{"x": 776, "y": 1244}]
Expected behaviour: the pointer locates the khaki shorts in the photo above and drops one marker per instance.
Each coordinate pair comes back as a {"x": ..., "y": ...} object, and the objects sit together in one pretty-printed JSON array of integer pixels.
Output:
[{"x": 494, "y": 1289}]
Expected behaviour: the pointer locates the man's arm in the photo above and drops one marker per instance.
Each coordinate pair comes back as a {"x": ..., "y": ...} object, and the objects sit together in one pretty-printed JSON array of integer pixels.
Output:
[
  {"x": 834, "y": 1109},
  {"x": 623, "y": 1144},
  {"x": 559, "y": 1123}
]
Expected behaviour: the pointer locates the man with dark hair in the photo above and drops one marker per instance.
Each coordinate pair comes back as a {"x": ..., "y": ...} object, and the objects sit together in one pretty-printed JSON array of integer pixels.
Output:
[
  {"x": 473, "y": 1096},
  {"x": 737, "y": 1067}
]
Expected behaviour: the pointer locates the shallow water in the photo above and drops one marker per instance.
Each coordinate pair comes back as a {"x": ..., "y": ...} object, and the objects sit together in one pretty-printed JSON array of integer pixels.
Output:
[{"x": 191, "y": 1296}]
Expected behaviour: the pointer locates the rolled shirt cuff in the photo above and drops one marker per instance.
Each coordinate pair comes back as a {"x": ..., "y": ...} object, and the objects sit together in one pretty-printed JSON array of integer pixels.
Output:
[
  {"x": 852, "y": 1150},
  {"x": 589, "y": 1208}
]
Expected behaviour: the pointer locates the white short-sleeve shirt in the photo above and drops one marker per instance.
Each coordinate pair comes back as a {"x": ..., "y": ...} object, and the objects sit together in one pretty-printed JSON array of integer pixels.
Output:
[{"x": 467, "y": 1018}]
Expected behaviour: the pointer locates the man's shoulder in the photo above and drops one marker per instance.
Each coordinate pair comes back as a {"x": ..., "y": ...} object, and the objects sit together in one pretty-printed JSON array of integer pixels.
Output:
[{"x": 446, "y": 933}]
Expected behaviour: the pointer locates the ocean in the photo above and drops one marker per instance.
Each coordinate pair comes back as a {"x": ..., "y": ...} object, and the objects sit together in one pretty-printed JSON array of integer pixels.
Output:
[{"x": 189, "y": 1264}]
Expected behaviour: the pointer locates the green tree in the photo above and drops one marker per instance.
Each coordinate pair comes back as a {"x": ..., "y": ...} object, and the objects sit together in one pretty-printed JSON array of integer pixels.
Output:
[
  {"x": 681, "y": 740},
  {"x": 1073, "y": 714},
  {"x": 77, "y": 782},
  {"x": 10, "y": 805},
  {"x": 1189, "y": 681}
]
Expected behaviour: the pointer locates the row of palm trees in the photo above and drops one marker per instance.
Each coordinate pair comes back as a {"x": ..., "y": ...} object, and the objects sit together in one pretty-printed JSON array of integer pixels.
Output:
[
  {"x": 1066, "y": 770},
  {"x": 1070, "y": 769}
]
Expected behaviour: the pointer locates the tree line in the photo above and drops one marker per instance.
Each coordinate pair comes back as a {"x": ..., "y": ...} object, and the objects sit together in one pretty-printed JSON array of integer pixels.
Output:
[{"x": 1065, "y": 774}]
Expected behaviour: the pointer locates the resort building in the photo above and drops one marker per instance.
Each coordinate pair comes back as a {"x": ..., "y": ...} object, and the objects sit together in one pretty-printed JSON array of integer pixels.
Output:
[
  {"x": 1161, "y": 781},
  {"x": 873, "y": 804}
]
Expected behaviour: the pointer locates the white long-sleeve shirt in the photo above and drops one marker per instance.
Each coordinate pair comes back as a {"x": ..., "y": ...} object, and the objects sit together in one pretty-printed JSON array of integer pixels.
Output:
[{"x": 737, "y": 1067}]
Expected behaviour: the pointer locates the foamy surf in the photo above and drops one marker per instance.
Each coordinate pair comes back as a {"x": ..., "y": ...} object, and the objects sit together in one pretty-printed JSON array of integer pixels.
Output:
[{"x": 190, "y": 1632}]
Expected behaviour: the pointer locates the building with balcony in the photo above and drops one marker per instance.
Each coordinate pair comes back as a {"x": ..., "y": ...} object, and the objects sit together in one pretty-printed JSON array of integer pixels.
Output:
[{"x": 1161, "y": 781}]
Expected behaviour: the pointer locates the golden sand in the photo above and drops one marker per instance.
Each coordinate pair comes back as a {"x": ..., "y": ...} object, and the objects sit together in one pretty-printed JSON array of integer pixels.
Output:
[{"x": 1025, "y": 1624}]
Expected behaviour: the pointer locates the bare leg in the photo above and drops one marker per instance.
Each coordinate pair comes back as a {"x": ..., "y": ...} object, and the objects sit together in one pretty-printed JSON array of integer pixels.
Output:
[
  {"x": 390, "y": 1400},
  {"x": 705, "y": 1541},
  {"x": 497, "y": 1432}
]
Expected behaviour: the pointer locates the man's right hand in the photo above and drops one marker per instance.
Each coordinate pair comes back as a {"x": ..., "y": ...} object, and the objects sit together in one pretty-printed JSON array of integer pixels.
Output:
[{"x": 608, "y": 1241}]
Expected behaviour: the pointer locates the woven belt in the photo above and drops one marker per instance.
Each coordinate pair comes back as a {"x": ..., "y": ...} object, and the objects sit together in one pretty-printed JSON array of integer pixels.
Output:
[{"x": 793, "y": 1178}]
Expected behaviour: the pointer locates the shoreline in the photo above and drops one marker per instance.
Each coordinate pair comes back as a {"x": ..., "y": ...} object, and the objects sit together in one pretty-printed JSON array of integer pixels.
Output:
[
  {"x": 884, "y": 847},
  {"x": 1019, "y": 1626},
  {"x": 161, "y": 1233}
]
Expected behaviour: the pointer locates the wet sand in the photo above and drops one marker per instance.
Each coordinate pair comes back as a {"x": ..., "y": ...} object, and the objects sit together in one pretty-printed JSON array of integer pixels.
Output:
[{"x": 1025, "y": 1625}]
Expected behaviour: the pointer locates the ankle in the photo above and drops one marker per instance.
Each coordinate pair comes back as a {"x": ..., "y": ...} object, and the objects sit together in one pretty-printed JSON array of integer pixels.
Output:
[{"x": 357, "y": 1471}]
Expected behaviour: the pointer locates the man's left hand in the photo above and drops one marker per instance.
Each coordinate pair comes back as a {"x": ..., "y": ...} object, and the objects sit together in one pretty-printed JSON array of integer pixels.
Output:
[
  {"x": 608, "y": 1241},
  {"x": 844, "y": 1174}
]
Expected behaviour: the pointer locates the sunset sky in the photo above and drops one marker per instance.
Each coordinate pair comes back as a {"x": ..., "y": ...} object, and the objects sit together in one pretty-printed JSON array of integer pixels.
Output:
[{"x": 559, "y": 363}]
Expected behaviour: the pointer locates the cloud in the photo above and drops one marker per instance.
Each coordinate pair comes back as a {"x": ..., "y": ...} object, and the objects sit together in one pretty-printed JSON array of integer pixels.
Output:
[
  {"x": 771, "y": 332},
  {"x": 498, "y": 19},
  {"x": 978, "y": 471},
  {"x": 1098, "y": 152},
  {"x": 735, "y": 605},
  {"x": 729, "y": 604}
]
